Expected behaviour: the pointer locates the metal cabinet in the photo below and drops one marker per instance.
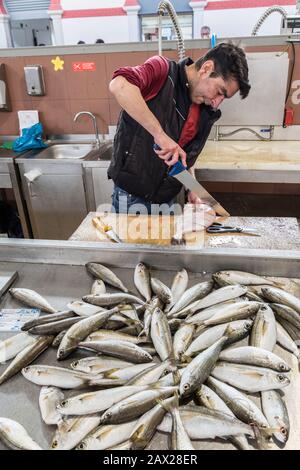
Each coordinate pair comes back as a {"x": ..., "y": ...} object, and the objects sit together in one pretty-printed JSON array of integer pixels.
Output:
[{"x": 55, "y": 197}]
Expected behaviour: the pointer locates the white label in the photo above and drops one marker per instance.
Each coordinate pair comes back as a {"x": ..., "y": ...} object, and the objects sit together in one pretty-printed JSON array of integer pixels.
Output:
[{"x": 12, "y": 319}]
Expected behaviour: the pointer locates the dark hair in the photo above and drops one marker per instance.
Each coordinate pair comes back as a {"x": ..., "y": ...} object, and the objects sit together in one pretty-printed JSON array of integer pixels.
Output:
[
  {"x": 230, "y": 63},
  {"x": 99, "y": 41},
  {"x": 81, "y": 42}
]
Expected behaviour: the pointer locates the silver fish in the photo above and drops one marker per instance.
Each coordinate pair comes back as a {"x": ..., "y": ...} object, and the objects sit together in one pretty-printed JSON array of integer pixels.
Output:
[
  {"x": 135, "y": 405},
  {"x": 83, "y": 309},
  {"x": 52, "y": 376},
  {"x": 286, "y": 313},
  {"x": 12, "y": 346},
  {"x": 182, "y": 339},
  {"x": 255, "y": 356},
  {"x": 126, "y": 373},
  {"x": 161, "y": 335},
  {"x": 154, "y": 303},
  {"x": 102, "y": 272},
  {"x": 207, "y": 397},
  {"x": 94, "y": 402},
  {"x": 225, "y": 278},
  {"x": 284, "y": 339},
  {"x": 200, "y": 368},
  {"x": 98, "y": 287},
  {"x": 290, "y": 329},
  {"x": 32, "y": 299},
  {"x": 70, "y": 432},
  {"x": 25, "y": 357},
  {"x": 107, "y": 436},
  {"x": 198, "y": 291},
  {"x": 179, "y": 437},
  {"x": 178, "y": 288},
  {"x": 53, "y": 317},
  {"x": 209, "y": 312},
  {"x": 15, "y": 436},
  {"x": 54, "y": 327},
  {"x": 161, "y": 290},
  {"x": 81, "y": 330},
  {"x": 281, "y": 297},
  {"x": 150, "y": 375},
  {"x": 241, "y": 405},
  {"x": 276, "y": 412},
  {"x": 233, "y": 312},
  {"x": 249, "y": 378},
  {"x": 142, "y": 281},
  {"x": 120, "y": 349},
  {"x": 263, "y": 333},
  {"x": 103, "y": 300},
  {"x": 58, "y": 339},
  {"x": 98, "y": 364},
  {"x": 48, "y": 399},
  {"x": 99, "y": 335}
]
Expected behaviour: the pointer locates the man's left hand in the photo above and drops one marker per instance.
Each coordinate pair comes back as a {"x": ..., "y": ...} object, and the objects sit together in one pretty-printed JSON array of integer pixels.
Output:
[{"x": 193, "y": 198}]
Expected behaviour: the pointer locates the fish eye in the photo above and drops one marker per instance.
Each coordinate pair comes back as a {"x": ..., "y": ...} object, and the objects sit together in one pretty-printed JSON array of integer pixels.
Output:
[
  {"x": 283, "y": 431},
  {"x": 281, "y": 378},
  {"x": 25, "y": 369},
  {"x": 186, "y": 387},
  {"x": 75, "y": 364},
  {"x": 82, "y": 445},
  {"x": 282, "y": 367},
  {"x": 63, "y": 403},
  {"x": 54, "y": 444}
]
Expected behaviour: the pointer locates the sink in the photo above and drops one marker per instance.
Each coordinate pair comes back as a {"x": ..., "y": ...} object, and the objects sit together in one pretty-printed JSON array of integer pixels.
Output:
[
  {"x": 66, "y": 151},
  {"x": 106, "y": 154}
]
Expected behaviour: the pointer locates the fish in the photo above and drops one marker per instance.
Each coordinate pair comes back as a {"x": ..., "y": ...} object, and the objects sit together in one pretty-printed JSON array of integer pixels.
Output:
[
  {"x": 98, "y": 364},
  {"x": 199, "y": 369},
  {"x": 241, "y": 405},
  {"x": 283, "y": 312},
  {"x": 105, "y": 274},
  {"x": 209, "y": 312},
  {"x": 100, "y": 335},
  {"x": 103, "y": 300},
  {"x": 198, "y": 291},
  {"x": 52, "y": 376},
  {"x": 32, "y": 299},
  {"x": 83, "y": 309},
  {"x": 71, "y": 431},
  {"x": 52, "y": 317},
  {"x": 275, "y": 410},
  {"x": 25, "y": 357},
  {"x": 76, "y": 333},
  {"x": 161, "y": 335},
  {"x": 12, "y": 346},
  {"x": 182, "y": 339},
  {"x": 178, "y": 288},
  {"x": 15, "y": 436},
  {"x": 94, "y": 402},
  {"x": 255, "y": 356},
  {"x": 225, "y": 278},
  {"x": 161, "y": 290},
  {"x": 154, "y": 303},
  {"x": 284, "y": 339},
  {"x": 58, "y": 339},
  {"x": 98, "y": 287},
  {"x": 125, "y": 373},
  {"x": 107, "y": 436},
  {"x": 120, "y": 349},
  {"x": 142, "y": 281},
  {"x": 233, "y": 312},
  {"x": 290, "y": 329},
  {"x": 48, "y": 399},
  {"x": 53, "y": 327},
  {"x": 135, "y": 405},
  {"x": 205, "y": 396},
  {"x": 276, "y": 295},
  {"x": 150, "y": 375},
  {"x": 179, "y": 438},
  {"x": 263, "y": 333},
  {"x": 249, "y": 378}
]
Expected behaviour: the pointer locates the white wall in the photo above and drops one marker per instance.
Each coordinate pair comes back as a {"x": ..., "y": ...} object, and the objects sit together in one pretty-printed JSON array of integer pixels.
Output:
[
  {"x": 88, "y": 4},
  {"x": 241, "y": 21},
  {"x": 109, "y": 28}
]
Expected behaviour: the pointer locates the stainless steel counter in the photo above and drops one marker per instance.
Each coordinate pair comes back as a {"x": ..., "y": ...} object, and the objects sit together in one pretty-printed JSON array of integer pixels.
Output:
[{"x": 56, "y": 270}]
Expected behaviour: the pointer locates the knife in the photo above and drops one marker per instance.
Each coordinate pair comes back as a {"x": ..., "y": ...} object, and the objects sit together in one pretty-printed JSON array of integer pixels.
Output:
[
  {"x": 180, "y": 172},
  {"x": 106, "y": 229}
]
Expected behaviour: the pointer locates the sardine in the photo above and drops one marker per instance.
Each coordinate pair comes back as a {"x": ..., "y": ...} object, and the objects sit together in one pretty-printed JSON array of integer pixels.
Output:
[
  {"x": 233, "y": 312},
  {"x": 12, "y": 346},
  {"x": 48, "y": 400},
  {"x": 284, "y": 339},
  {"x": 83, "y": 309},
  {"x": 71, "y": 431},
  {"x": 280, "y": 296},
  {"x": 126, "y": 373},
  {"x": 225, "y": 278},
  {"x": 154, "y": 303},
  {"x": 98, "y": 364},
  {"x": 32, "y": 299},
  {"x": 182, "y": 339},
  {"x": 161, "y": 290},
  {"x": 150, "y": 375},
  {"x": 107, "y": 436},
  {"x": 54, "y": 327},
  {"x": 142, "y": 281},
  {"x": 284, "y": 312},
  {"x": 102, "y": 272},
  {"x": 52, "y": 376},
  {"x": 249, "y": 378},
  {"x": 263, "y": 333},
  {"x": 178, "y": 288},
  {"x": 103, "y": 300},
  {"x": 255, "y": 356},
  {"x": 53, "y": 317},
  {"x": 58, "y": 339},
  {"x": 198, "y": 291},
  {"x": 99, "y": 335},
  {"x": 120, "y": 349},
  {"x": 15, "y": 436},
  {"x": 276, "y": 412},
  {"x": 161, "y": 335}
]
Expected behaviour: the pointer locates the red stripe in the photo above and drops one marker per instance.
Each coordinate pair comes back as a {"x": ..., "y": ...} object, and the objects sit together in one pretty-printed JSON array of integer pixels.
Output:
[
  {"x": 55, "y": 5},
  {"x": 131, "y": 3},
  {"x": 93, "y": 12},
  {"x": 218, "y": 5},
  {"x": 2, "y": 8}
]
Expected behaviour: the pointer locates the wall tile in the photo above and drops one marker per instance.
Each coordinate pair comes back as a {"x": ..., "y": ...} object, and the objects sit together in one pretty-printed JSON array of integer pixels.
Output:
[
  {"x": 9, "y": 123},
  {"x": 84, "y": 124},
  {"x": 55, "y": 116},
  {"x": 14, "y": 67}
]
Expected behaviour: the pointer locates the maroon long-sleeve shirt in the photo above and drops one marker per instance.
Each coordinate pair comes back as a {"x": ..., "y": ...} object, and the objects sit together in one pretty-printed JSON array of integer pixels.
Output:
[{"x": 149, "y": 78}]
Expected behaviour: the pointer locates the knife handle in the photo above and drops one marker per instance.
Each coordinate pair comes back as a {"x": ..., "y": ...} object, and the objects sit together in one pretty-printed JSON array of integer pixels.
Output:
[{"x": 177, "y": 168}]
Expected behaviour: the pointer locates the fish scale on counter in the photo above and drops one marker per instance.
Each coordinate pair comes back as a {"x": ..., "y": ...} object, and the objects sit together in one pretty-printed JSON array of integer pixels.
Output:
[{"x": 191, "y": 333}]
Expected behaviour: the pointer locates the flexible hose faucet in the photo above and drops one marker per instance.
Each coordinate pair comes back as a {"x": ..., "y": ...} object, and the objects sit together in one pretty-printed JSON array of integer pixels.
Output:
[
  {"x": 166, "y": 6},
  {"x": 265, "y": 15}
]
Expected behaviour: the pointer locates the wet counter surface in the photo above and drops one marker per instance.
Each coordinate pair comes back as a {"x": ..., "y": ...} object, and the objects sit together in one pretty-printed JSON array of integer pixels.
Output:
[{"x": 60, "y": 283}]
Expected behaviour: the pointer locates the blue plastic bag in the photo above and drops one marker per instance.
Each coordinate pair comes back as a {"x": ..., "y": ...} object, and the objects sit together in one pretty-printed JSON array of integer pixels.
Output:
[{"x": 31, "y": 138}]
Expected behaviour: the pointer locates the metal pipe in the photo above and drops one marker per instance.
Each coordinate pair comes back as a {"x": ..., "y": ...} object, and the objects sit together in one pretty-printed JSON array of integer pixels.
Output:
[
  {"x": 229, "y": 134},
  {"x": 265, "y": 15},
  {"x": 163, "y": 7},
  {"x": 88, "y": 113}
]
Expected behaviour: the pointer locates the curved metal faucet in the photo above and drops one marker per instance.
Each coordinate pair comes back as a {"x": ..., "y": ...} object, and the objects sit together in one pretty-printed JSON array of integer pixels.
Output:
[
  {"x": 265, "y": 15},
  {"x": 166, "y": 6},
  {"x": 97, "y": 138}
]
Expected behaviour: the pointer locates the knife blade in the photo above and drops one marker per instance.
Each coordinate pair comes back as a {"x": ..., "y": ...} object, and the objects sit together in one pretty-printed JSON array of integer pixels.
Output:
[{"x": 180, "y": 172}]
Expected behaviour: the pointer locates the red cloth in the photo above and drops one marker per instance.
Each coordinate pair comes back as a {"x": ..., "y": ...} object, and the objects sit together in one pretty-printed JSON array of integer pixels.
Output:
[{"x": 149, "y": 78}]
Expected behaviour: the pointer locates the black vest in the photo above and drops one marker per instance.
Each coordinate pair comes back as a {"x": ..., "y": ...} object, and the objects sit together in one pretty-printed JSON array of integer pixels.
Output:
[{"x": 134, "y": 166}]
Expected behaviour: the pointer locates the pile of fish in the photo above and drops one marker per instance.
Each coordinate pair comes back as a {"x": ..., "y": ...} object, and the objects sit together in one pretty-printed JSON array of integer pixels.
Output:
[{"x": 166, "y": 362}]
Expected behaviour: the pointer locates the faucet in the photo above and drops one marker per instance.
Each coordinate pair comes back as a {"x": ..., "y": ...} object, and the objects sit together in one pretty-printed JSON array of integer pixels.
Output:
[{"x": 97, "y": 138}]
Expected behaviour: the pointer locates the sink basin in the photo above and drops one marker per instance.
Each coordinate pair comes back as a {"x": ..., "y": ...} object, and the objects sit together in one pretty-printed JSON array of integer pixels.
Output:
[{"x": 67, "y": 151}]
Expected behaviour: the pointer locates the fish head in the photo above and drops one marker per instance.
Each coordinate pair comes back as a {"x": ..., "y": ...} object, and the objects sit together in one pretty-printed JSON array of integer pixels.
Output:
[
  {"x": 284, "y": 367},
  {"x": 282, "y": 434},
  {"x": 74, "y": 364},
  {"x": 185, "y": 388},
  {"x": 282, "y": 379},
  {"x": 82, "y": 445},
  {"x": 63, "y": 404},
  {"x": 105, "y": 417}
]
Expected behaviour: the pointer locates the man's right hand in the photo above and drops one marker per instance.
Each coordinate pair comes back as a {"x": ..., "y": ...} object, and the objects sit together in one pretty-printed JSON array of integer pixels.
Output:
[{"x": 170, "y": 151}]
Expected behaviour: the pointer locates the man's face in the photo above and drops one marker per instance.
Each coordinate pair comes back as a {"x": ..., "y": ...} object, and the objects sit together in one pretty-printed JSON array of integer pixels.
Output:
[{"x": 210, "y": 90}]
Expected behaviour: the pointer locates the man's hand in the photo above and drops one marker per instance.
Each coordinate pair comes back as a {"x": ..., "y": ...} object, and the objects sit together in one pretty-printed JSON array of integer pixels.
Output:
[
  {"x": 193, "y": 198},
  {"x": 169, "y": 148}
]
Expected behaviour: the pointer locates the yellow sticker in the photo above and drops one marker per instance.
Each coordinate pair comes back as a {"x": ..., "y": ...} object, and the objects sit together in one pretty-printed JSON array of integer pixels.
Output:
[{"x": 58, "y": 63}]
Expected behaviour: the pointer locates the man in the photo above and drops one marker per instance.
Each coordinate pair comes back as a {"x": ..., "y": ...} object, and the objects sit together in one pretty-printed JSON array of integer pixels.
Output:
[{"x": 173, "y": 105}]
